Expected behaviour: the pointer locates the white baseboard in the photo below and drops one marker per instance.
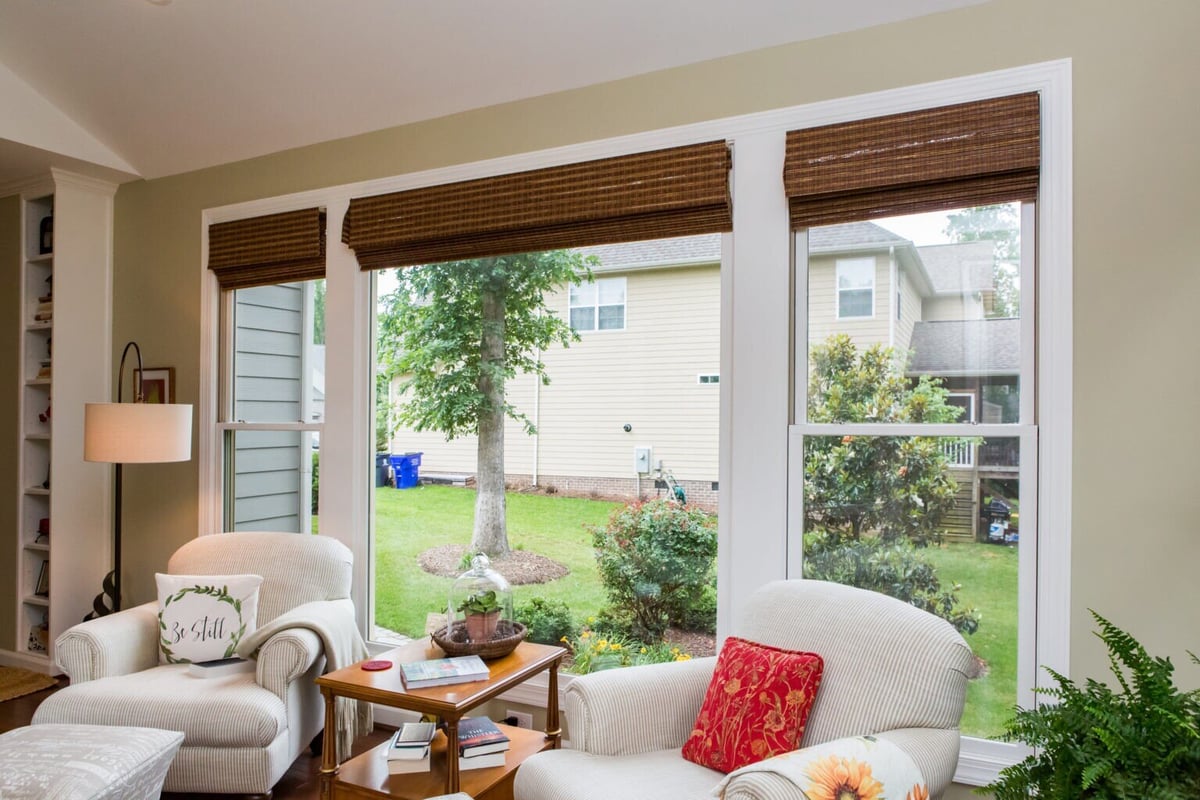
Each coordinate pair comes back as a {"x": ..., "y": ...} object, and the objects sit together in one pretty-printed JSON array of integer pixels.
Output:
[{"x": 42, "y": 664}]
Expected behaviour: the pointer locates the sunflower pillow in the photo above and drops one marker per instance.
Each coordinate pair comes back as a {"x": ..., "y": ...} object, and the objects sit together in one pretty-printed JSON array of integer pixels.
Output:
[
  {"x": 854, "y": 768},
  {"x": 756, "y": 705}
]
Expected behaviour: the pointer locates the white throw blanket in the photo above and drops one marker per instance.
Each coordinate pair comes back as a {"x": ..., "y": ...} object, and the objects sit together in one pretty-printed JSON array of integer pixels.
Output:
[
  {"x": 870, "y": 767},
  {"x": 334, "y": 623}
]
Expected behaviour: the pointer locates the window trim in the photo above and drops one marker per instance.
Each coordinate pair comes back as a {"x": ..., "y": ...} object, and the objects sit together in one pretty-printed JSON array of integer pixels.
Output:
[
  {"x": 596, "y": 305},
  {"x": 837, "y": 281},
  {"x": 753, "y": 456}
]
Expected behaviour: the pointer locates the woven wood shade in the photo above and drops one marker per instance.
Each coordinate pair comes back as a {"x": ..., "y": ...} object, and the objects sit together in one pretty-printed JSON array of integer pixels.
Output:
[
  {"x": 277, "y": 248},
  {"x": 675, "y": 192},
  {"x": 962, "y": 155}
]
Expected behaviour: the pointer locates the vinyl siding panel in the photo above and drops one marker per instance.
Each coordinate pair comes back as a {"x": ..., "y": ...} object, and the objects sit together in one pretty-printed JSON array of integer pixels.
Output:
[
  {"x": 910, "y": 313},
  {"x": 942, "y": 308},
  {"x": 822, "y": 304}
]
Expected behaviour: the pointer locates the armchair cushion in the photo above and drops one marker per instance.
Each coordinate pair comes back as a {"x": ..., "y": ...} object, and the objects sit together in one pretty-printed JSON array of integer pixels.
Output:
[
  {"x": 858, "y": 766},
  {"x": 756, "y": 705},
  {"x": 203, "y": 617}
]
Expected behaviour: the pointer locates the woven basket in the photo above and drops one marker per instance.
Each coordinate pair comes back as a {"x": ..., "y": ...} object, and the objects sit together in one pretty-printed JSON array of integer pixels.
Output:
[{"x": 506, "y": 638}]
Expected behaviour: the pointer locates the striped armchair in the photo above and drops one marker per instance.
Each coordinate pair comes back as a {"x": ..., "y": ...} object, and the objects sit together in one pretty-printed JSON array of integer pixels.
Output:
[
  {"x": 891, "y": 671},
  {"x": 243, "y": 731}
]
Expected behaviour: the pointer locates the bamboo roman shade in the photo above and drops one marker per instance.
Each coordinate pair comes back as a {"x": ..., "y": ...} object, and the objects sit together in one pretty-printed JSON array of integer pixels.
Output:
[
  {"x": 277, "y": 248},
  {"x": 674, "y": 192},
  {"x": 969, "y": 154}
]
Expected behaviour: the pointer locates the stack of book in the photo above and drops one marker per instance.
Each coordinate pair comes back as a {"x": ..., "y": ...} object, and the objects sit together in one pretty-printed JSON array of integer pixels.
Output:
[
  {"x": 481, "y": 744},
  {"x": 408, "y": 749},
  {"x": 442, "y": 671}
]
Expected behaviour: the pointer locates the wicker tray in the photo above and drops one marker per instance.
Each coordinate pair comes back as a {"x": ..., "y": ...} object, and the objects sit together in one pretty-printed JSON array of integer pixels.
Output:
[{"x": 508, "y": 635}]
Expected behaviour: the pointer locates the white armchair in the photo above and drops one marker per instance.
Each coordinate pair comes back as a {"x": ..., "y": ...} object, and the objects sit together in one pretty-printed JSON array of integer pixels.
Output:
[
  {"x": 241, "y": 732},
  {"x": 891, "y": 671}
]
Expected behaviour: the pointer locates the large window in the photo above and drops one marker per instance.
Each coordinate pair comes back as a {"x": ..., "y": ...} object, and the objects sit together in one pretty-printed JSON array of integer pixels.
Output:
[
  {"x": 598, "y": 305},
  {"x": 855, "y": 287}
]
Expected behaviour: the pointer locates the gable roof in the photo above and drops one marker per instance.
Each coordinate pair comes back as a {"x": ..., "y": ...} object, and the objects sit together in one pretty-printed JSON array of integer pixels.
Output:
[
  {"x": 959, "y": 268},
  {"x": 966, "y": 347}
]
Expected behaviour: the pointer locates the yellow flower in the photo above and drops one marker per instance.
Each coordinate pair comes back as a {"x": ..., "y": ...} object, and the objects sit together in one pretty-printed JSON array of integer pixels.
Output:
[
  {"x": 837, "y": 778},
  {"x": 615, "y": 646},
  {"x": 644, "y": 651},
  {"x": 603, "y": 643},
  {"x": 683, "y": 657},
  {"x": 562, "y": 639},
  {"x": 585, "y": 635},
  {"x": 591, "y": 620}
]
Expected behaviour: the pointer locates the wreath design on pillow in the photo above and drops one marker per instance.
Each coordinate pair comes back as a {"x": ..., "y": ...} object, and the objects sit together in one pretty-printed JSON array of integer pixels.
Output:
[{"x": 218, "y": 593}]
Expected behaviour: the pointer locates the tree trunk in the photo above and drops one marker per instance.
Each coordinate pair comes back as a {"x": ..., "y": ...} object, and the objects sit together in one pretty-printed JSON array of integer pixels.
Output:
[{"x": 491, "y": 534}]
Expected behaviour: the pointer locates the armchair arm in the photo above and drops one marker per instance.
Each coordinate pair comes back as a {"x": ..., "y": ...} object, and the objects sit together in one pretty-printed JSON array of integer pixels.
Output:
[
  {"x": 606, "y": 711},
  {"x": 286, "y": 656},
  {"x": 117, "y": 644}
]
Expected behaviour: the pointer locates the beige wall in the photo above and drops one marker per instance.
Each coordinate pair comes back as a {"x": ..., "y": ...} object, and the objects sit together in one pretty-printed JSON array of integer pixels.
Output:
[
  {"x": 823, "y": 320},
  {"x": 1136, "y": 71},
  {"x": 11, "y": 381},
  {"x": 644, "y": 375}
]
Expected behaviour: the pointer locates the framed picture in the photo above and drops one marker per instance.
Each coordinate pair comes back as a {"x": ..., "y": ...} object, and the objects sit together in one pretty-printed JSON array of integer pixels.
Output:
[
  {"x": 43, "y": 581},
  {"x": 158, "y": 384}
]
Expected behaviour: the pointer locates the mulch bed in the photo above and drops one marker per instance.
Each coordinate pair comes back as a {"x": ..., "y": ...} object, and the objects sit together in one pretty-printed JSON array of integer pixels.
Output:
[{"x": 519, "y": 567}]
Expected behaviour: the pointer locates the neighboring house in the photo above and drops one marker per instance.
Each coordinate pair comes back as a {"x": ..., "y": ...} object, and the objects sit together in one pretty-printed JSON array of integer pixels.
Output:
[{"x": 649, "y": 354}]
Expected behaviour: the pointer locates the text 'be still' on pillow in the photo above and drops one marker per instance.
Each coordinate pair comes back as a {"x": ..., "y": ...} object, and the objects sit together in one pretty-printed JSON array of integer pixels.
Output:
[
  {"x": 756, "y": 706},
  {"x": 203, "y": 617}
]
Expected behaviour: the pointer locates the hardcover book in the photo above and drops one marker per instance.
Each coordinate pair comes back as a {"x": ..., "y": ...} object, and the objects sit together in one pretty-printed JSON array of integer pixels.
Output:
[
  {"x": 442, "y": 671},
  {"x": 479, "y": 736},
  {"x": 481, "y": 762},
  {"x": 219, "y": 667}
]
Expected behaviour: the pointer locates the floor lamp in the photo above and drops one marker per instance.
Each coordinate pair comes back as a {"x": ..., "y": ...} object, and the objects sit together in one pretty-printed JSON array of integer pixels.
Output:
[{"x": 131, "y": 433}]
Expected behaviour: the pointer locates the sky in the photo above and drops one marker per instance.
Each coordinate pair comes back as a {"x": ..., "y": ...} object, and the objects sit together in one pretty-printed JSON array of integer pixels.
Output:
[{"x": 920, "y": 229}]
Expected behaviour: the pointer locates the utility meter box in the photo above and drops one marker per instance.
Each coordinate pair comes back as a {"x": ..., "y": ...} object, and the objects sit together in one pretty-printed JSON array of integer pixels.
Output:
[{"x": 641, "y": 460}]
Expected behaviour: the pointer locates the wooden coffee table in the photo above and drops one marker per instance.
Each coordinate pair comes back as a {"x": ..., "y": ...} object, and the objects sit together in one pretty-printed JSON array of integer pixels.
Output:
[{"x": 366, "y": 775}]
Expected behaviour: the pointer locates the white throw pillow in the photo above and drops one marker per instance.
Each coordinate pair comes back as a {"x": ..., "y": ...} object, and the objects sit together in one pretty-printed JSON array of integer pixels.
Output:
[{"x": 202, "y": 617}]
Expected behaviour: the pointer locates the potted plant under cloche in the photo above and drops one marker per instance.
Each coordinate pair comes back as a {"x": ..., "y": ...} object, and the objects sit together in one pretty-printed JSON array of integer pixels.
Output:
[
  {"x": 1139, "y": 739},
  {"x": 481, "y": 613}
]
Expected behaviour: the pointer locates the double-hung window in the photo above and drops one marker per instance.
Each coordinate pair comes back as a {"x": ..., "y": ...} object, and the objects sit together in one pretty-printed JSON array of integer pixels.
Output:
[
  {"x": 598, "y": 306},
  {"x": 855, "y": 288}
]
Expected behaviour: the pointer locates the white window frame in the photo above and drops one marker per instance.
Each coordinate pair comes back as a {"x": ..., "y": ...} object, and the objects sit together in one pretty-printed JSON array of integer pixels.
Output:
[
  {"x": 857, "y": 261},
  {"x": 596, "y": 305},
  {"x": 970, "y": 405},
  {"x": 756, "y": 290},
  {"x": 708, "y": 378}
]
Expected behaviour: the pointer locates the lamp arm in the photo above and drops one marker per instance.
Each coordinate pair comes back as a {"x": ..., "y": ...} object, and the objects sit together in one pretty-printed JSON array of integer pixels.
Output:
[{"x": 137, "y": 384}]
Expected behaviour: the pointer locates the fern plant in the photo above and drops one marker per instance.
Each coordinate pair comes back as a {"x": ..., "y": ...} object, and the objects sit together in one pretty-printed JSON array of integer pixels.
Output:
[{"x": 1096, "y": 743}]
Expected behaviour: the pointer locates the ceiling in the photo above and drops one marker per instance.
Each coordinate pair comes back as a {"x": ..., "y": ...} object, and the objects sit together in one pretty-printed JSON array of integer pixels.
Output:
[{"x": 157, "y": 87}]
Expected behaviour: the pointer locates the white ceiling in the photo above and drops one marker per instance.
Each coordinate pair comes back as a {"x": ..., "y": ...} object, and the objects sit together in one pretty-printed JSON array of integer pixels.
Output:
[{"x": 158, "y": 87}]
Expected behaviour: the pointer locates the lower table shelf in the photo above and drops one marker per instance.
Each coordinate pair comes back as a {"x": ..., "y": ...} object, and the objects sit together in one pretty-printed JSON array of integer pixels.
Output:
[{"x": 366, "y": 775}]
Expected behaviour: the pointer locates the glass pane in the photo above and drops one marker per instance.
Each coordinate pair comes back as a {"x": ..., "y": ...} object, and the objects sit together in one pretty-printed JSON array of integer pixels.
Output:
[
  {"x": 583, "y": 319},
  {"x": 582, "y": 465},
  {"x": 612, "y": 291},
  {"x": 612, "y": 318},
  {"x": 934, "y": 521},
  {"x": 955, "y": 320},
  {"x": 582, "y": 294},
  {"x": 273, "y": 476},
  {"x": 279, "y": 353}
]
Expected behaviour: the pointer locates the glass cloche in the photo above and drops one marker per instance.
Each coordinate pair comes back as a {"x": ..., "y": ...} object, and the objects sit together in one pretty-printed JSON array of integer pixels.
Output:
[{"x": 481, "y": 603}]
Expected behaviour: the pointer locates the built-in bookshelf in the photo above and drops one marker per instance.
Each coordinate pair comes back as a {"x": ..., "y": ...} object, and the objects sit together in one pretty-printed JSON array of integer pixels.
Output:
[{"x": 64, "y": 504}]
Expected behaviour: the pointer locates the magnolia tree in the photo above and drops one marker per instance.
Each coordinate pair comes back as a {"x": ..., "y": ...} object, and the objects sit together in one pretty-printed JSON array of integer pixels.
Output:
[
  {"x": 898, "y": 486},
  {"x": 455, "y": 333}
]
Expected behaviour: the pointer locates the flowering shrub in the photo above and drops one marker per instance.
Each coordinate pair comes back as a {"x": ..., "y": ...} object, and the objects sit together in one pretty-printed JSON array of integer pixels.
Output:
[
  {"x": 547, "y": 621},
  {"x": 655, "y": 559},
  {"x": 593, "y": 651}
]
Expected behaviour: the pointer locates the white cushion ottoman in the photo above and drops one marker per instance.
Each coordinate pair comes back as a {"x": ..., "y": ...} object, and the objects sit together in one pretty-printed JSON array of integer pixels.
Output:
[{"x": 85, "y": 762}]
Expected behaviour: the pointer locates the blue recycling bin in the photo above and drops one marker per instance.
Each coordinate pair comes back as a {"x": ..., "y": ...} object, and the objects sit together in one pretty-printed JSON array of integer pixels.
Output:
[{"x": 407, "y": 469}]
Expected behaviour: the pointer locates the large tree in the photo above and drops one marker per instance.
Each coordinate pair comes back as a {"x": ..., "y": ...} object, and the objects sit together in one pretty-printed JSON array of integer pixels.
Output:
[
  {"x": 1001, "y": 225},
  {"x": 455, "y": 333},
  {"x": 898, "y": 486}
]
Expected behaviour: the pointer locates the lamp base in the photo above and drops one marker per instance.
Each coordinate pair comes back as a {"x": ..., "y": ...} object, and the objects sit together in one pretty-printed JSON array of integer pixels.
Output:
[{"x": 111, "y": 594}]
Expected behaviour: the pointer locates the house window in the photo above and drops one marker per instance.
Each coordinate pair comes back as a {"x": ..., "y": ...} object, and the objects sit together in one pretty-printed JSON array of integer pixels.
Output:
[
  {"x": 272, "y": 368},
  {"x": 855, "y": 287},
  {"x": 710, "y": 379},
  {"x": 598, "y": 306}
]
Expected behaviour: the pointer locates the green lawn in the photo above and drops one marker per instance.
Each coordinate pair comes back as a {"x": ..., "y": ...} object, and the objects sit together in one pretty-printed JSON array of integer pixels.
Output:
[
  {"x": 988, "y": 574},
  {"x": 409, "y": 521}
]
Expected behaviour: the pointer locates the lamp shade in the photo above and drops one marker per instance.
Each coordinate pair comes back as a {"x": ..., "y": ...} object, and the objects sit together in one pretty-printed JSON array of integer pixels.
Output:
[{"x": 137, "y": 433}]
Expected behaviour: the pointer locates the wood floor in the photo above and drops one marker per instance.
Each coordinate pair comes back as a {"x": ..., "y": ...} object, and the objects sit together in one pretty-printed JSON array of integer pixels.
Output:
[{"x": 300, "y": 782}]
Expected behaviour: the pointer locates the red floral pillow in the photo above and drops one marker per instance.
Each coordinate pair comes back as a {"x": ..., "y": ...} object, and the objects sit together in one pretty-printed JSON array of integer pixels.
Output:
[{"x": 756, "y": 705}]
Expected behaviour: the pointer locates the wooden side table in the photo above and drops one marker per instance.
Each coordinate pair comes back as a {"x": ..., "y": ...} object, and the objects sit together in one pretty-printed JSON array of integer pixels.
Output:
[{"x": 366, "y": 776}]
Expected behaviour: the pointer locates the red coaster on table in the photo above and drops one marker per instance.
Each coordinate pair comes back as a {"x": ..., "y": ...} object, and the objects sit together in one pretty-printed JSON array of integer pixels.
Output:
[{"x": 376, "y": 666}]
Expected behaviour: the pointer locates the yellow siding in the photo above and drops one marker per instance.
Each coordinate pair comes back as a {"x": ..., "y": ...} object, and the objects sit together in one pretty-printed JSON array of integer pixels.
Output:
[
  {"x": 910, "y": 313},
  {"x": 822, "y": 304},
  {"x": 942, "y": 308},
  {"x": 644, "y": 375}
]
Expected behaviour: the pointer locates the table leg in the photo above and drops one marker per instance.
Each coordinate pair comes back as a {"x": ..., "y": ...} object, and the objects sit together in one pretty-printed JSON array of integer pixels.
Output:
[
  {"x": 329, "y": 762},
  {"x": 451, "y": 756},
  {"x": 553, "y": 729}
]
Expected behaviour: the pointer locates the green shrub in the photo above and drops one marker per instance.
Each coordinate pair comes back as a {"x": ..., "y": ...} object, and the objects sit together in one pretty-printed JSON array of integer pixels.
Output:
[
  {"x": 1095, "y": 743},
  {"x": 316, "y": 480},
  {"x": 546, "y": 621},
  {"x": 894, "y": 568},
  {"x": 699, "y": 616},
  {"x": 655, "y": 559}
]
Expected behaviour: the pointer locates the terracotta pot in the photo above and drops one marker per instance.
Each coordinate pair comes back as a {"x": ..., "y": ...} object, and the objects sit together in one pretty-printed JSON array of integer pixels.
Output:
[{"x": 481, "y": 627}]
